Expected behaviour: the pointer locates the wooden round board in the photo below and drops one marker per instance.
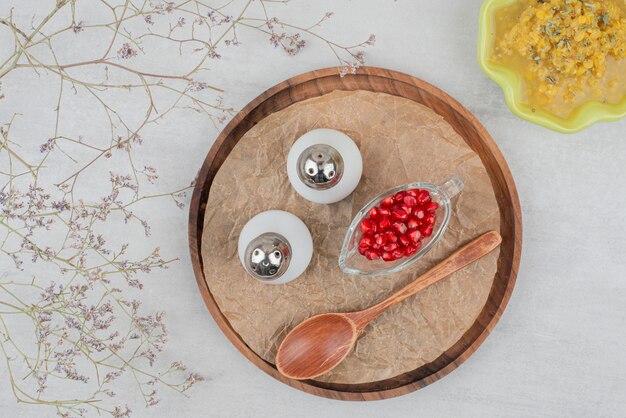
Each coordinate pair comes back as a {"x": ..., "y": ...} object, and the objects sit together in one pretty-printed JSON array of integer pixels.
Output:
[{"x": 318, "y": 83}]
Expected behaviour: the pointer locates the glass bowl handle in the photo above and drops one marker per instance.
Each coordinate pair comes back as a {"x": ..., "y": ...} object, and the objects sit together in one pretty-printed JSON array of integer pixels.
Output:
[{"x": 452, "y": 187}]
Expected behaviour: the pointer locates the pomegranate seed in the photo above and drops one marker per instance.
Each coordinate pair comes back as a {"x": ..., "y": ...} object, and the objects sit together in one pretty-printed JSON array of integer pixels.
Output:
[
  {"x": 366, "y": 241},
  {"x": 384, "y": 212},
  {"x": 431, "y": 207},
  {"x": 398, "y": 197},
  {"x": 408, "y": 209},
  {"x": 367, "y": 226},
  {"x": 413, "y": 223},
  {"x": 387, "y": 256},
  {"x": 399, "y": 214},
  {"x": 374, "y": 213},
  {"x": 372, "y": 255},
  {"x": 383, "y": 224},
  {"x": 430, "y": 219},
  {"x": 391, "y": 247},
  {"x": 391, "y": 237},
  {"x": 376, "y": 246},
  {"x": 386, "y": 202},
  {"x": 400, "y": 227},
  {"x": 423, "y": 197},
  {"x": 410, "y": 250},
  {"x": 410, "y": 200},
  {"x": 404, "y": 240},
  {"x": 381, "y": 238},
  {"x": 419, "y": 214},
  {"x": 413, "y": 192},
  {"x": 398, "y": 253},
  {"x": 415, "y": 236},
  {"x": 427, "y": 231},
  {"x": 363, "y": 249}
]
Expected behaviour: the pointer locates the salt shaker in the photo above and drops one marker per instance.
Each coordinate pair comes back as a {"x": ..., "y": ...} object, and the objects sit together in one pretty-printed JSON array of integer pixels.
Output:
[
  {"x": 275, "y": 247},
  {"x": 324, "y": 165}
]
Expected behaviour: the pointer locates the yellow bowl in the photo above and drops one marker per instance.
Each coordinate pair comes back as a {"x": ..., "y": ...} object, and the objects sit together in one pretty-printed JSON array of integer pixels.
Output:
[{"x": 511, "y": 84}]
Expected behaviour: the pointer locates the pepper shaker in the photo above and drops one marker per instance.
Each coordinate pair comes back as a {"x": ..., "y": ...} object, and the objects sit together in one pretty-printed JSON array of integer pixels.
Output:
[
  {"x": 275, "y": 247},
  {"x": 324, "y": 165}
]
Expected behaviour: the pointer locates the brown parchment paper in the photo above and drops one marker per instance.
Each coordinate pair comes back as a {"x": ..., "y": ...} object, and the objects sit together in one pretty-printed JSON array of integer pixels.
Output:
[{"x": 400, "y": 141}]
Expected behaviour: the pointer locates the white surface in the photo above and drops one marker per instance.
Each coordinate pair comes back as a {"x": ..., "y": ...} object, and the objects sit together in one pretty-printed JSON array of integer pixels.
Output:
[
  {"x": 559, "y": 348},
  {"x": 345, "y": 146},
  {"x": 289, "y": 226}
]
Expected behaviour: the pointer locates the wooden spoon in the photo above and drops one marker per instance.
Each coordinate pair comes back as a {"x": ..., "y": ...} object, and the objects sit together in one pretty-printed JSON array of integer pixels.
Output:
[{"x": 321, "y": 342}]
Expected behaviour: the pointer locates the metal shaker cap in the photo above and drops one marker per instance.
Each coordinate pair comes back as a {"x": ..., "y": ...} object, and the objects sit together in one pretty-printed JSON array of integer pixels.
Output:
[
  {"x": 267, "y": 256},
  {"x": 320, "y": 167}
]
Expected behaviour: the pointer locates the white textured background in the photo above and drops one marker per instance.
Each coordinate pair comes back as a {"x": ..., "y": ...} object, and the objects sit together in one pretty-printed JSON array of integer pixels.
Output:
[{"x": 559, "y": 348}]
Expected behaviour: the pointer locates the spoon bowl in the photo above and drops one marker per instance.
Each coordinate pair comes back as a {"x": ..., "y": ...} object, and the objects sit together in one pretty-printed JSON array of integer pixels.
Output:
[{"x": 321, "y": 342}]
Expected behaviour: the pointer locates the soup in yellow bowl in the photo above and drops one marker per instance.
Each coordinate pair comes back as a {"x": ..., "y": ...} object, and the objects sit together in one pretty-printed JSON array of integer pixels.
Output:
[{"x": 566, "y": 53}]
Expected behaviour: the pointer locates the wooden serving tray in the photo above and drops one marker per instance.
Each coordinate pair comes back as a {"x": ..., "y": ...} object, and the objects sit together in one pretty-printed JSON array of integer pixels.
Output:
[{"x": 318, "y": 83}]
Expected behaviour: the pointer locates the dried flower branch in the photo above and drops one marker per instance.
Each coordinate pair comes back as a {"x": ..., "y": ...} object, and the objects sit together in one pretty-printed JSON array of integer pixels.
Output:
[{"x": 67, "y": 277}]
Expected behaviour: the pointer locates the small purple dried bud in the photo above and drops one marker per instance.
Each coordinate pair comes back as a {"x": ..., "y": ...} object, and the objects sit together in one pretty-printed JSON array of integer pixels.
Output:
[
  {"x": 77, "y": 27},
  {"x": 47, "y": 146},
  {"x": 198, "y": 85},
  {"x": 126, "y": 52},
  {"x": 271, "y": 22}
]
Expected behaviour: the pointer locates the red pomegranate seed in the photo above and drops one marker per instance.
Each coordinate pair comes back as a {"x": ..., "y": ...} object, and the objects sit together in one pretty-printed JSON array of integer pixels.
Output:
[
  {"x": 391, "y": 237},
  {"x": 383, "y": 224},
  {"x": 404, "y": 240},
  {"x": 410, "y": 250},
  {"x": 376, "y": 246},
  {"x": 427, "y": 230},
  {"x": 391, "y": 247},
  {"x": 387, "y": 202},
  {"x": 412, "y": 223},
  {"x": 398, "y": 214},
  {"x": 381, "y": 238},
  {"x": 367, "y": 226},
  {"x": 384, "y": 212},
  {"x": 410, "y": 200},
  {"x": 398, "y": 197},
  {"x": 363, "y": 249},
  {"x": 372, "y": 255},
  {"x": 430, "y": 219},
  {"x": 366, "y": 241},
  {"x": 398, "y": 253},
  {"x": 423, "y": 197},
  {"x": 431, "y": 207},
  {"x": 419, "y": 214},
  {"x": 415, "y": 236},
  {"x": 387, "y": 256},
  {"x": 374, "y": 213},
  {"x": 400, "y": 227},
  {"x": 408, "y": 209},
  {"x": 413, "y": 192}
]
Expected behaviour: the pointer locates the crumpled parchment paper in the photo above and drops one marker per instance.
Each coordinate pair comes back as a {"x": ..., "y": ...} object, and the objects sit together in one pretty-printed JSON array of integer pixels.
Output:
[{"x": 400, "y": 141}]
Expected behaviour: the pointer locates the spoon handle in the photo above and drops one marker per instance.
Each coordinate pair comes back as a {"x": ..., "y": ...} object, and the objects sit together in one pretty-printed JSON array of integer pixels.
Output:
[{"x": 460, "y": 258}]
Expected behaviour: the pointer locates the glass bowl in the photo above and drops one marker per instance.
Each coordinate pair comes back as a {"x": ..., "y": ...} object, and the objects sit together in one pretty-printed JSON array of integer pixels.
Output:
[
  {"x": 511, "y": 84},
  {"x": 352, "y": 262}
]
